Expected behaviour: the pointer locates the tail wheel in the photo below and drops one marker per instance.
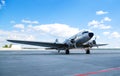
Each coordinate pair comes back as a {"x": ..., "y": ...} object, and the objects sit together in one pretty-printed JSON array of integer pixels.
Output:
[
  {"x": 67, "y": 51},
  {"x": 87, "y": 51}
]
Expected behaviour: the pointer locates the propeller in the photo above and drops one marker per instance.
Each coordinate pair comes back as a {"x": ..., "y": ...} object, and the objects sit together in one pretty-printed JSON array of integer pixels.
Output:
[
  {"x": 74, "y": 42},
  {"x": 94, "y": 42}
]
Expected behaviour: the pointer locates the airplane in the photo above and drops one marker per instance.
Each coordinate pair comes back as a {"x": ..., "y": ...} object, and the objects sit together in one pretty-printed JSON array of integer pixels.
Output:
[{"x": 79, "y": 40}]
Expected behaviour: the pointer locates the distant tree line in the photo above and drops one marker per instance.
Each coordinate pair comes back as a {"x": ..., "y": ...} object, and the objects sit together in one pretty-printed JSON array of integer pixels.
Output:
[{"x": 7, "y": 46}]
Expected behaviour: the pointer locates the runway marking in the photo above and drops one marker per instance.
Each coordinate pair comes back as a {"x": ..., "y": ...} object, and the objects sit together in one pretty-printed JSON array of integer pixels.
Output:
[{"x": 100, "y": 71}]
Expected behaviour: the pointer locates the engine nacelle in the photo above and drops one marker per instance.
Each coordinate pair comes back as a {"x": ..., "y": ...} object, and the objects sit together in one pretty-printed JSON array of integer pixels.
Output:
[
  {"x": 71, "y": 43},
  {"x": 91, "y": 43}
]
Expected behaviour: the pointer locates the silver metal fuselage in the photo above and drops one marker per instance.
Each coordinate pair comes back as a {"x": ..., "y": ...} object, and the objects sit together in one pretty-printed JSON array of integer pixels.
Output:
[{"x": 79, "y": 39}]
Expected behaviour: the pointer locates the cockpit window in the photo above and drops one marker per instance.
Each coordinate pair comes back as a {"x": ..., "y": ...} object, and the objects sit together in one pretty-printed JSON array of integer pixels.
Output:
[{"x": 84, "y": 32}]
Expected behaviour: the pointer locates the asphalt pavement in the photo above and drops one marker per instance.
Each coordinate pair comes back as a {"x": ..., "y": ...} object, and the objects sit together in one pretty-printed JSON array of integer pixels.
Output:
[{"x": 51, "y": 63}]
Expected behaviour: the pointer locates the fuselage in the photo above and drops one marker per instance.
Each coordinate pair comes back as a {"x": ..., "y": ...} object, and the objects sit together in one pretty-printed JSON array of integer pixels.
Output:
[{"x": 77, "y": 40}]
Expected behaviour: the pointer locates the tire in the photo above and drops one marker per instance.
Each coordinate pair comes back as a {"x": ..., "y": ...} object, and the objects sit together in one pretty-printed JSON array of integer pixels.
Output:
[
  {"x": 67, "y": 51},
  {"x": 87, "y": 51}
]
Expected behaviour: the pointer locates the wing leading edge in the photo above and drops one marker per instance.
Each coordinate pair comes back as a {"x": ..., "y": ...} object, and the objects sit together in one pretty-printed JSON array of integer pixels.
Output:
[
  {"x": 45, "y": 44},
  {"x": 97, "y": 45},
  {"x": 94, "y": 45}
]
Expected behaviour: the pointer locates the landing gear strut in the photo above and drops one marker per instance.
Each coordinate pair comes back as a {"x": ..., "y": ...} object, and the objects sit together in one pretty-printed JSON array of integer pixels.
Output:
[
  {"x": 87, "y": 51},
  {"x": 58, "y": 51},
  {"x": 67, "y": 51}
]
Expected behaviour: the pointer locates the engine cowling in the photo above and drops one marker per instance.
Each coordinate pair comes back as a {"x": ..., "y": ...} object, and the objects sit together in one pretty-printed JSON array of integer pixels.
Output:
[
  {"x": 71, "y": 43},
  {"x": 92, "y": 43}
]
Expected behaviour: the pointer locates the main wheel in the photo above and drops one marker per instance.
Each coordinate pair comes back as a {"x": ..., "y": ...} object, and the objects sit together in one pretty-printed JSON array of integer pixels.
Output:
[
  {"x": 58, "y": 51},
  {"x": 87, "y": 51},
  {"x": 67, "y": 51}
]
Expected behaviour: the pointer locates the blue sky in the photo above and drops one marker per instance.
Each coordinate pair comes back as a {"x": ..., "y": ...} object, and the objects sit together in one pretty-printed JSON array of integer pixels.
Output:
[{"x": 46, "y": 20}]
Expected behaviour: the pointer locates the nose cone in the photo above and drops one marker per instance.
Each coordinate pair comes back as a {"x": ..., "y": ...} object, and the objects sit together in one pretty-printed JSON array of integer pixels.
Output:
[{"x": 91, "y": 35}]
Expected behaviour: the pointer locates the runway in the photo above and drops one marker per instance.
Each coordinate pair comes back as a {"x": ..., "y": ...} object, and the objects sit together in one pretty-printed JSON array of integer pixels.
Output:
[{"x": 50, "y": 63}]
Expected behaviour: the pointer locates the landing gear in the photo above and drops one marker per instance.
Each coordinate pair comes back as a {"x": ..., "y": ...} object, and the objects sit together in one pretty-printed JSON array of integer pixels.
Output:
[
  {"x": 87, "y": 51},
  {"x": 67, "y": 51},
  {"x": 58, "y": 51}
]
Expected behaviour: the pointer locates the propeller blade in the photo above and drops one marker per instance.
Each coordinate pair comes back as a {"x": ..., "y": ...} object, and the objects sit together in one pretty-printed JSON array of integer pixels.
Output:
[
  {"x": 75, "y": 45},
  {"x": 95, "y": 41}
]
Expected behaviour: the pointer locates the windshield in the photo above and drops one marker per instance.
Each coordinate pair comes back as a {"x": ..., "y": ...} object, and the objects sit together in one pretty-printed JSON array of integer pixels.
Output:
[{"x": 84, "y": 32}]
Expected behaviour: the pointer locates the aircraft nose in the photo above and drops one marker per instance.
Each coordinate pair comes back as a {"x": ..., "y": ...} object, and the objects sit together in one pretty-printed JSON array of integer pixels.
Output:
[{"x": 91, "y": 35}]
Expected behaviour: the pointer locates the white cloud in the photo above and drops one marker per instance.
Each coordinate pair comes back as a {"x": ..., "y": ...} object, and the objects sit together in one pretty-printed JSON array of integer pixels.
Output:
[
  {"x": 101, "y": 12},
  {"x": 61, "y": 30},
  {"x": 106, "y": 33},
  {"x": 93, "y": 23},
  {"x": 112, "y": 34},
  {"x": 103, "y": 26},
  {"x": 106, "y": 19},
  {"x": 30, "y": 22},
  {"x": 2, "y": 3},
  {"x": 30, "y": 37},
  {"x": 98, "y": 24},
  {"x": 45, "y": 32},
  {"x": 24, "y": 36},
  {"x": 3, "y": 32},
  {"x": 33, "y": 32},
  {"x": 16, "y": 35},
  {"x": 115, "y": 35},
  {"x": 21, "y": 26}
]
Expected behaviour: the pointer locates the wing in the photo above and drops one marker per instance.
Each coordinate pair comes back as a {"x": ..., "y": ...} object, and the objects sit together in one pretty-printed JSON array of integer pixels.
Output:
[
  {"x": 45, "y": 44},
  {"x": 93, "y": 45},
  {"x": 96, "y": 45}
]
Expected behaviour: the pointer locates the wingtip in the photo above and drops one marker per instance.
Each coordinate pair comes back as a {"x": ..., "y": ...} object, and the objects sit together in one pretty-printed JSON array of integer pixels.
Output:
[{"x": 8, "y": 40}]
